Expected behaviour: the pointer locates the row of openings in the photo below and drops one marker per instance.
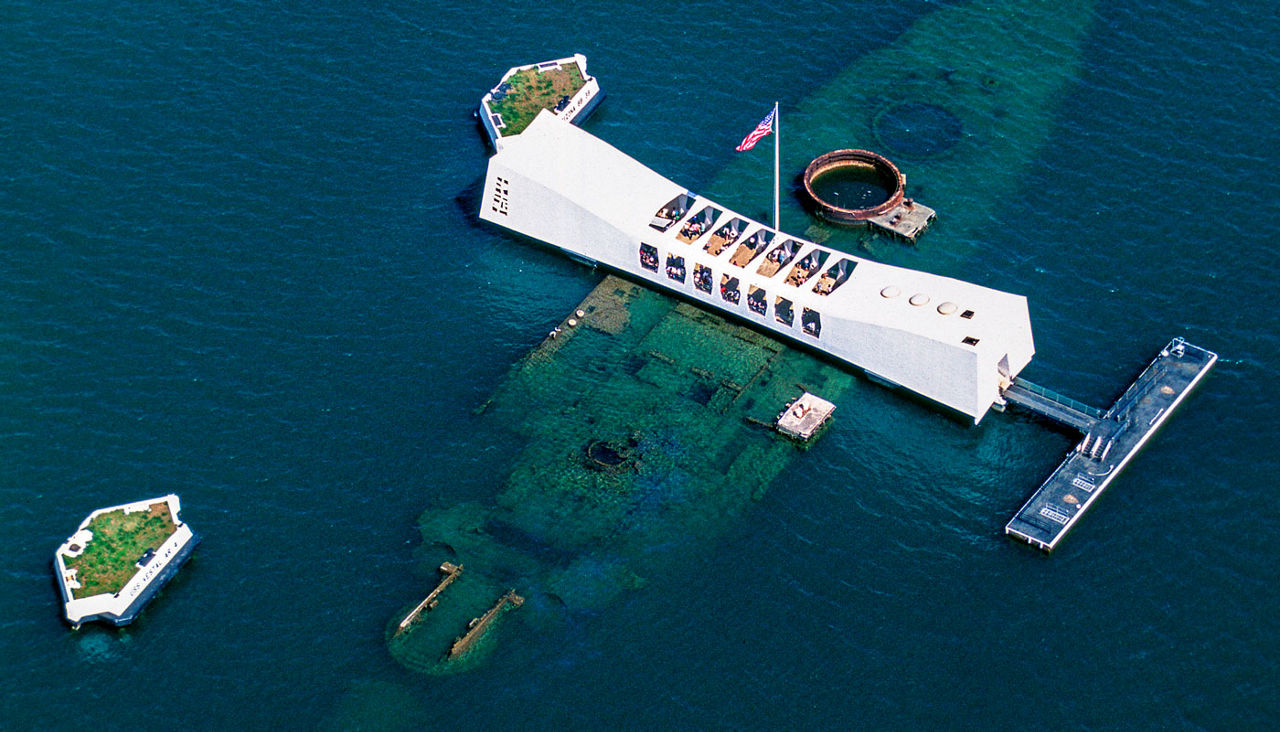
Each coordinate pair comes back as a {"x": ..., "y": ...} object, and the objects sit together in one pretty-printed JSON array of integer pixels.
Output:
[
  {"x": 731, "y": 290},
  {"x": 750, "y": 249}
]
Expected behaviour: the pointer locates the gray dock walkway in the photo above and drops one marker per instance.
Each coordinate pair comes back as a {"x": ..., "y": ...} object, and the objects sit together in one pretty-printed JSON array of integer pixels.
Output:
[
  {"x": 1109, "y": 442},
  {"x": 1050, "y": 404}
]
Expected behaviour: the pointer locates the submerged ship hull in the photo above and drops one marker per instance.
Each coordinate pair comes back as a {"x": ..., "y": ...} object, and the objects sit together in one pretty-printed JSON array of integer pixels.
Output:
[{"x": 597, "y": 499}]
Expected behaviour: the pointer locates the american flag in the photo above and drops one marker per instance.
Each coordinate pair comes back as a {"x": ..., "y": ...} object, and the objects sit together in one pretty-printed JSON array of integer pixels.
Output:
[{"x": 762, "y": 129}]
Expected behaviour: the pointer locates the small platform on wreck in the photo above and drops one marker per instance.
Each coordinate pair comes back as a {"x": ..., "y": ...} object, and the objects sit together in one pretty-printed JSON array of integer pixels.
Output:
[
  {"x": 908, "y": 219},
  {"x": 804, "y": 417},
  {"x": 1111, "y": 439}
]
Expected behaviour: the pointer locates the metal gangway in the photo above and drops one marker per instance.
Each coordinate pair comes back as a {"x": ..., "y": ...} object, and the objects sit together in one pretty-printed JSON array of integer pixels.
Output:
[{"x": 1054, "y": 406}]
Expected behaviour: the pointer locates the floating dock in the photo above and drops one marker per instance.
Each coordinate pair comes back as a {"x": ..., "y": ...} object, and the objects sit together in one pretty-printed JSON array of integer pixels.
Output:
[{"x": 1111, "y": 439}]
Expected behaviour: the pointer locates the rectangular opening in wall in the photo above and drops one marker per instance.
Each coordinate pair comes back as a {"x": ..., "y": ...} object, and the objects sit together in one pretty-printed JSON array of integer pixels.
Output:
[
  {"x": 724, "y": 237},
  {"x": 778, "y": 257},
  {"x": 751, "y": 248},
  {"x": 698, "y": 224},
  {"x": 967, "y": 315},
  {"x": 783, "y": 312},
  {"x": 649, "y": 257},
  {"x": 811, "y": 322},
  {"x": 702, "y": 278},
  {"x": 729, "y": 289},
  {"x": 675, "y": 210},
  {"x": 969, "y": 341},
  {"x": 501, "y": 196},
  {"x": 756, "y": 300},
  {"x": 675, "y": 267},
  {"x": 835, "y": 276},
  {"x": 806, "y": 267}
]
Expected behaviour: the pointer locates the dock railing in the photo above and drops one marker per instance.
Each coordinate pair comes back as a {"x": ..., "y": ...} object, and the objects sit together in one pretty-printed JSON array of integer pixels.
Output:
[{"x": 1054, "y": 396}]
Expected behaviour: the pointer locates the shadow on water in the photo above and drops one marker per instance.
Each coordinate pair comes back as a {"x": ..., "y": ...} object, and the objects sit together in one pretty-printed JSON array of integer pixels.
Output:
[{"x": 467, "y": 202}]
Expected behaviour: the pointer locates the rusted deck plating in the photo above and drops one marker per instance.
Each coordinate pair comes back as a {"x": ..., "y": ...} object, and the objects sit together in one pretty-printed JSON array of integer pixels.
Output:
[
  {"x": 451, "y": 572},
  {"x": 478, "y": 626},
  {"x": 1110, "y": 443}
]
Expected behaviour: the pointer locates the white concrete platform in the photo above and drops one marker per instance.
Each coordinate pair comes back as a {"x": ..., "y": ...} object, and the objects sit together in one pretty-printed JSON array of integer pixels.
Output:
[
  {"x": 151, "y": 571},
  {"x": 805, "y": 416}
]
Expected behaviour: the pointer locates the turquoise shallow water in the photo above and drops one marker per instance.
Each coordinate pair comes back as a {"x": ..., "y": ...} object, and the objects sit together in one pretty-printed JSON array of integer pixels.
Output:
[{"x": 239, "y": 264}]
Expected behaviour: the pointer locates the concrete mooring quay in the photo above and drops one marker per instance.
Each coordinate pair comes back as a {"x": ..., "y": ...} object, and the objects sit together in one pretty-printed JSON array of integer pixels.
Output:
[{"x": 1111, "y": 439}]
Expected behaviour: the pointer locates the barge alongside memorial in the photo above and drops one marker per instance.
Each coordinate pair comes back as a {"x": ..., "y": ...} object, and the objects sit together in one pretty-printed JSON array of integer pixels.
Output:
[{"x": 119, "y": 558}]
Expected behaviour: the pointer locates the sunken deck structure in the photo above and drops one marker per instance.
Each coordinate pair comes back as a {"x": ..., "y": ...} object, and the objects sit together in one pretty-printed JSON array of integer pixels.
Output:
[
  {"x": 119, "y": 558},
  {"x": 596, "y": 501},
  {"x": 953, "y": 342}
]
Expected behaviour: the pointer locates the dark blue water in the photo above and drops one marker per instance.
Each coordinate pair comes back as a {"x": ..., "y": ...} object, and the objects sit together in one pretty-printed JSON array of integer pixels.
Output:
[{"x": 239, "y": 263}]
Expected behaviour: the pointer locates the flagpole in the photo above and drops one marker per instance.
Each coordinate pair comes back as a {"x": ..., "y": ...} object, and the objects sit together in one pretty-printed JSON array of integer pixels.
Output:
[{"x": 777, "y": 145}]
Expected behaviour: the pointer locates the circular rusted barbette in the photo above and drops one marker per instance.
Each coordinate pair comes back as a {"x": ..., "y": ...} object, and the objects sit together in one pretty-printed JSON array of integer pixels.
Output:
[{"x": 880, "y": 167}]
